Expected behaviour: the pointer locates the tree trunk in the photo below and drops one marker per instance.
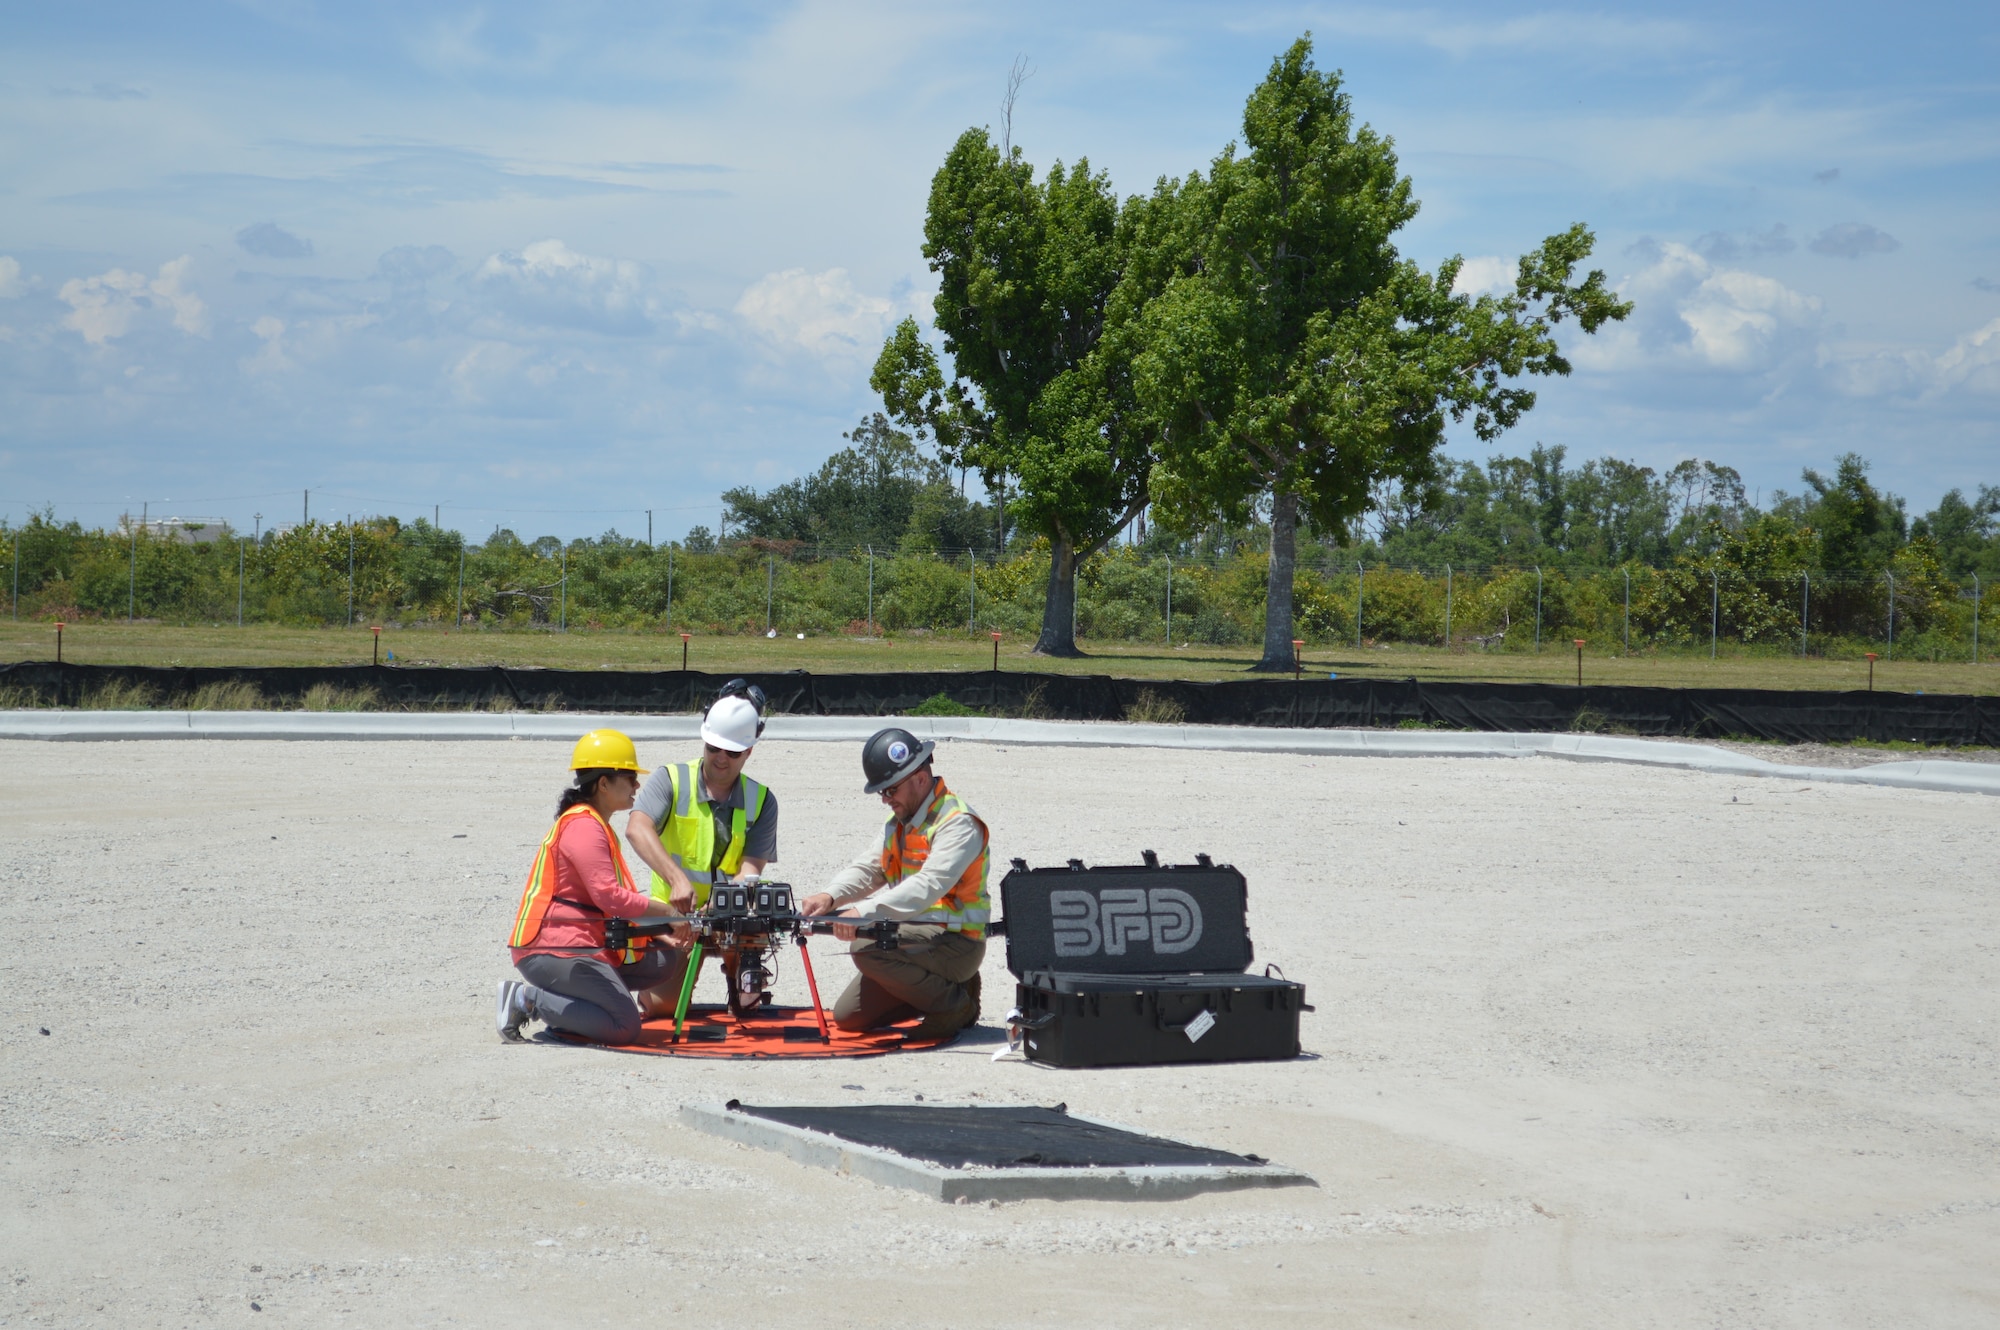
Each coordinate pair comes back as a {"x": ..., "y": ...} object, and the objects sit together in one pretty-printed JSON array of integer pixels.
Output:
[
  {"x": 1059, "y": 612},
  {"x": 1278, "y": 584}
]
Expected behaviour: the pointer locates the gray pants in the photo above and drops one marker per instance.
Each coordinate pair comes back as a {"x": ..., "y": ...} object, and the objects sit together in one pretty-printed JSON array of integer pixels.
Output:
[
  {"x": 582, "y": 995},
  {"x": 926, "y": 973}
]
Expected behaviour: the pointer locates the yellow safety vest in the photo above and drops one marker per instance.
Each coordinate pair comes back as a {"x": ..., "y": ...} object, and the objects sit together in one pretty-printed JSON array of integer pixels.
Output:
[
  {"x": 688, "y": 833},
  {"x": 965, "y": 908}
]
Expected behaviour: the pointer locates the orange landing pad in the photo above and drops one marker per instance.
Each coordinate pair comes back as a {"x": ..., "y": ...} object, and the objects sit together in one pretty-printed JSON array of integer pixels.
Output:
[{"x": 779, "y": 1032}]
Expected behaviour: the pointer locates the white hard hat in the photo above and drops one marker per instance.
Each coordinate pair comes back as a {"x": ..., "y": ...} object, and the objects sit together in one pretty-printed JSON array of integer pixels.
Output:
[{"x": 732, "y": 723}]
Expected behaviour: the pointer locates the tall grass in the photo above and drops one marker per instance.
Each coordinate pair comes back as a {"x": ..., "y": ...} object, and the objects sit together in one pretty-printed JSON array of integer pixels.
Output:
[
  {"x": 327, "y": 697},
  {"x": 233, "y": 695},
  {"x": 118, "y": 695},
  {"x": 1150, "y": 708}
]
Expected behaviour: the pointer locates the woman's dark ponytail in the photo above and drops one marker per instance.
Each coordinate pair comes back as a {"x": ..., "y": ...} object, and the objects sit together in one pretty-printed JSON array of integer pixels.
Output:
[{"x": 583, "y": 791}]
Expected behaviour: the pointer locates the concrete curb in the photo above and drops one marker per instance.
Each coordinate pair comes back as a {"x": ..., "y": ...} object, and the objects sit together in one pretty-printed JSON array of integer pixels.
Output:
[
  {"x": 1145, "y": 1183},
  {"x": 1945, "y": 776}
]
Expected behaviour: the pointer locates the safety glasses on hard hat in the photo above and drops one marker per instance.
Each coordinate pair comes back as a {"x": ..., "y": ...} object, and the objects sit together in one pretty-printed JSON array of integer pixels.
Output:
[{"x": 746, "y": 690}]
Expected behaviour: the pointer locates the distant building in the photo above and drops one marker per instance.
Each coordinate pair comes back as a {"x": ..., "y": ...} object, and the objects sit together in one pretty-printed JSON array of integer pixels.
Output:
[{"x": 188, "y": 530}]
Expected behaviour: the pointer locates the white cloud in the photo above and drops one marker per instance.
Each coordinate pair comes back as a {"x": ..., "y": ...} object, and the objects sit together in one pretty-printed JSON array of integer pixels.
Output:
[
  {"x": 819, "y": 313},
  {"x": 11, "y": 285},
  {"x": 1971, "y": 364},
  {"x": 1974, "y": 361},
  {"x": 270, "y": 357},
  {"x": 105, "y": 306},
  {"x": 552, "y": 285},
  {"x": 1564, "y": 32},
  {"x": 1487, "y": 274},
  {"x": 1691, "y": 314}
]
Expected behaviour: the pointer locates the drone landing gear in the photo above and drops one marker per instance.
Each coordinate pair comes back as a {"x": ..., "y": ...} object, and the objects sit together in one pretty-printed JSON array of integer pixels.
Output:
[{"x": 748, "y": 980}]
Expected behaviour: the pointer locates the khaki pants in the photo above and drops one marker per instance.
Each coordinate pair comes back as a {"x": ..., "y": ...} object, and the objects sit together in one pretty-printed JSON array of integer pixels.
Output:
[{"x": 926, "y": 973}]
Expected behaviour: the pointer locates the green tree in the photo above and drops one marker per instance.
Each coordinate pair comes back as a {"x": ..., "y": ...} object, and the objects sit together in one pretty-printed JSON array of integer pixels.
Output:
[
  {"x": 1030, "y": 276},
  {"x": 1299, "y": 358},
  {"x": 883, "y": 491},
  {"x": 1965, "y": 531},
  {"x": 1860, "y": 527}
]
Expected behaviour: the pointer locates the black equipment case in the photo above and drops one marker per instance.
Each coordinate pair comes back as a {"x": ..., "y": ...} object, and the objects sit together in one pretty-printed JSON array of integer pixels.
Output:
[{"x": 1139, "y": 964}]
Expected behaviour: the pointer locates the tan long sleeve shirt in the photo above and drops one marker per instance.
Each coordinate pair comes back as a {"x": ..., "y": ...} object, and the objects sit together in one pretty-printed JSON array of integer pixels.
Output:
[{"x": 863, "y": 886}]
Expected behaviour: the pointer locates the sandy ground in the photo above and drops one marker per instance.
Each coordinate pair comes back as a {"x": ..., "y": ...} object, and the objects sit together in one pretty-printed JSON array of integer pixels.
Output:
[
  {"x": 1595, "y": 1046},
  {"x": 1844, "y": 756}
]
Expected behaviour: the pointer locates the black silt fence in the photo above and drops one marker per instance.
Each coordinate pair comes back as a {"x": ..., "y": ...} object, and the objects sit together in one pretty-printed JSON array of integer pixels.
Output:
[{"x": 1786, "y": 716}]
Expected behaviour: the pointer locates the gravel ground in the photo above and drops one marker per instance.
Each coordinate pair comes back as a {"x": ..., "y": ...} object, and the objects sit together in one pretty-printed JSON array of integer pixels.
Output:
[{"x": 1595, "y": 1045}]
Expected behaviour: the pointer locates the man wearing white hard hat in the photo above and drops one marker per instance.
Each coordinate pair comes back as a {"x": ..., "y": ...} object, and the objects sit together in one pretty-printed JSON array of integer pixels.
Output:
[{"x": 695, "y": 823}]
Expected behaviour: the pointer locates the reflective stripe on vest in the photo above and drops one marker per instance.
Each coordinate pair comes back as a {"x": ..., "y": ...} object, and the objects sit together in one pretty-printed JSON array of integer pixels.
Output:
[
  {"x": 540, "y": 890},
  {"x": 965, "y": 908},
  {"x": 688, "y": 833}
]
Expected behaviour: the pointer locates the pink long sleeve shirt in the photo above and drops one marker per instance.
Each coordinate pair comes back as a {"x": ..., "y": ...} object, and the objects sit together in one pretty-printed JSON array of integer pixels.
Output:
[{"x": 589, "y": 890}]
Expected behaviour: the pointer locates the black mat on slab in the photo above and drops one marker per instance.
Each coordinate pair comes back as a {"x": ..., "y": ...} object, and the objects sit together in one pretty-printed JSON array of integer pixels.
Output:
[{"x": 993, "y": 1137}]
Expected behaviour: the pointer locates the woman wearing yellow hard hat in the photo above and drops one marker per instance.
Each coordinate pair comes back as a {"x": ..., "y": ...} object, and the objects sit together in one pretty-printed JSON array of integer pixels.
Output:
[{"x": 579, "y": 879}]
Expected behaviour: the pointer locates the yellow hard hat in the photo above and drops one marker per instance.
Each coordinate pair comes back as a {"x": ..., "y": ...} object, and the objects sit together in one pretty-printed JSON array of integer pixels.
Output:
[{"x": 604, "y": 749}]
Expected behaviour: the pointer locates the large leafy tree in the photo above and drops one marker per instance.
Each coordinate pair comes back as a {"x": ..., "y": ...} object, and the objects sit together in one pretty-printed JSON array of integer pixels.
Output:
[
  {"x": 882, "y": 492},
  {"x": 1034, "y": 390},
  {"x": 1294, "y": 357}
]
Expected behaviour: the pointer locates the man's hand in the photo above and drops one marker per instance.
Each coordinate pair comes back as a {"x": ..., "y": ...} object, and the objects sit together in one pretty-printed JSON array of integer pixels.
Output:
[
  {"x": 681, "y": 897},
  {"x": 820, "y": 902},
  {"x": 845, "y": 932}
]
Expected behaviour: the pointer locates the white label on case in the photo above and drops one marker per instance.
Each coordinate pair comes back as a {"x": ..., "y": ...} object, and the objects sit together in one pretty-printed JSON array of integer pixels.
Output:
[{"x": 1200, "y": 1026}]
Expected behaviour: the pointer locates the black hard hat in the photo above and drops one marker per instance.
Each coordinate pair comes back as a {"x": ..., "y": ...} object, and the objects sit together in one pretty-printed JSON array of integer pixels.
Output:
[{"x": 890, "y": 755}]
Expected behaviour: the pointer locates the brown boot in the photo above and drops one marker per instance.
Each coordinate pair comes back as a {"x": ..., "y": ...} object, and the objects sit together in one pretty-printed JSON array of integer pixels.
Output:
[{"x": 945, "y": 1024}]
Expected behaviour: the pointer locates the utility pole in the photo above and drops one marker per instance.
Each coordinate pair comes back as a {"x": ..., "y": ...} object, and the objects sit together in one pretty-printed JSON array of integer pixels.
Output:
[
  {"x": 670, "y": 587},
  {"x": 649, "y": 528},
  {"x": 239, "y": 581},
  {"x": 1360, "y": 599},
  {"x": 562, "y": 592},
  {"x": 435, "y": 522},
  {"x": 1714, "y": 609},
  {"x": 1538, "y": 607},
  {"x": 306, "y": 517},
  {"x": 1628, "y": 611},
  {"x": 350, "y": 570},
  {"x": 257, "y": 529},
  {"x": 1892, "y": 616},
  {"x": 132, "y": 585}
]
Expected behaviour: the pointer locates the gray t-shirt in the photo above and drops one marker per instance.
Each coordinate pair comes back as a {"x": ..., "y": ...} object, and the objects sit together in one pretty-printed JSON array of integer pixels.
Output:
[{"x": 760, "y": 837}]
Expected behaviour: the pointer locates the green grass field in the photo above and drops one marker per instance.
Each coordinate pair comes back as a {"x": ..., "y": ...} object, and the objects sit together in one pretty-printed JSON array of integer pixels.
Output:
[{"x": 114, "y": 643}]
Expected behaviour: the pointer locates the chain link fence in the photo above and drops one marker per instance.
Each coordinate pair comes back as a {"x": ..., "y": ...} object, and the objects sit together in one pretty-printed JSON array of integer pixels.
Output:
[{"x": 381, "y": 571}]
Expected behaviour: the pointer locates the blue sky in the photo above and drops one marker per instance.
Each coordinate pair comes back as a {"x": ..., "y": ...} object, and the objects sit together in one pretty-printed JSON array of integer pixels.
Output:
[{"x": 550, "y": 266}]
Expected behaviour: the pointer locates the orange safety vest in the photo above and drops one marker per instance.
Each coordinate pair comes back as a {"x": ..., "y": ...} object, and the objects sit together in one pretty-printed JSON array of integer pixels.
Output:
[
  {"x": 965, "y": 908},
  {"x": 540, "y": 890}
]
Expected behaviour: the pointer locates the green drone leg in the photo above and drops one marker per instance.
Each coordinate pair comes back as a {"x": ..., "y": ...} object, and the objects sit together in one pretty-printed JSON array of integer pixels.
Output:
[{"x": 687, "y": 990}]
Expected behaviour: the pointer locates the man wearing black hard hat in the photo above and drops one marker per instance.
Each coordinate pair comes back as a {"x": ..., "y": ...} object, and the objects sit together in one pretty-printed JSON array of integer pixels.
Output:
[{"x": 928, "y": 866}]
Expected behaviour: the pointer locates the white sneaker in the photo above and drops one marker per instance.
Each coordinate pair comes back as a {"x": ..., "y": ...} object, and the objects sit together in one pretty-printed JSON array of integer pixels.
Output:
[{"x": 512, "y": 1011}]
